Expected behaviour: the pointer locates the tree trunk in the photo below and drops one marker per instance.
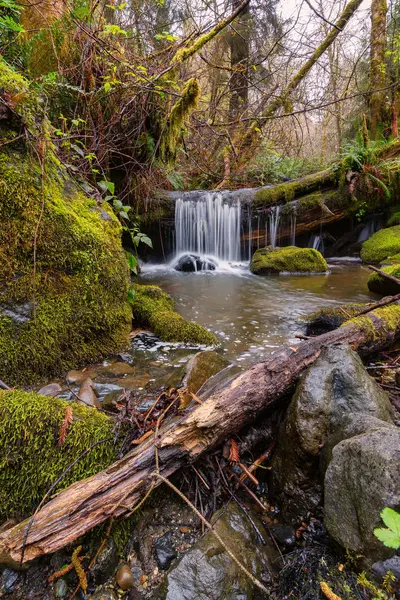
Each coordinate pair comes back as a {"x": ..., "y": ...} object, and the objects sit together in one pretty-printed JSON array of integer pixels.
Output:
[
  {"x": 239, "y": 45},
  {"x": 182, "y": 439},
  {"x": 377, "y": 67}
]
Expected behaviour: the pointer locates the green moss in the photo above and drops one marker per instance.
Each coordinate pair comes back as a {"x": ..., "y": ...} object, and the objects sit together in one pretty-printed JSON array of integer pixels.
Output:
[
  {"x": 31, "y": 458},
  {"x": 390, "y": 315},
  {"x": 25, "y": 103},
  {"x": 285, "y": 192},
  {"x": 381, "y": 285},
  {"x": 75, "y": 310},
  {"x": 155, "y": 309},
  {"x": 394, "y": 219},
  {"x": 328, "y": 319},
  {"x": 290, "y": 259},
  {"x": 381, "y": 245}
]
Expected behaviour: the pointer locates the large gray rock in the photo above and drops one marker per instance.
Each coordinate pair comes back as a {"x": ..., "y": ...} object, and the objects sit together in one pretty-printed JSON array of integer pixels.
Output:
[
  {"x": 206, "y": 572},
  {"x": 335, "y": 399},
  {"x": 362, "y": 478}
]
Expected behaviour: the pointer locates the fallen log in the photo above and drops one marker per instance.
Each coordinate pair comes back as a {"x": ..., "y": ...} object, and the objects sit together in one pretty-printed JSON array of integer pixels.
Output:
[{"x": 182, "y": 439}]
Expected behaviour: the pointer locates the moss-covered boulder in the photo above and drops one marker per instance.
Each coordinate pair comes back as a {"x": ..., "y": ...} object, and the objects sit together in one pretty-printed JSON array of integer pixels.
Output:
[
  {"x": 382, "y": 245},
  {"x": 31, "y": 456},
  {"x": 154, "y": 308},
  {"x": 382, "y": 285},
  {"x": 290, "y": 259}
]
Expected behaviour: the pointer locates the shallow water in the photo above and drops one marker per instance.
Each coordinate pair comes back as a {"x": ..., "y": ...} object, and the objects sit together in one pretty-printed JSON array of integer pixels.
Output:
[{"x": 252, "y": 315}]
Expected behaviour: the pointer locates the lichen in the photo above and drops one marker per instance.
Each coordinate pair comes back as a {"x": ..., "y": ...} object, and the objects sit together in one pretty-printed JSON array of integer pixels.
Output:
[
  {"x": 382, "y": 285},
  {"x": 75, "y": 310},
  {"x": 31, "y": 457},
  {"x": 290, "y": 259},
  {"x": 381, "y": 245},
  {"x": 389, "y": 314},
  {"x": 155, "y": 309}
]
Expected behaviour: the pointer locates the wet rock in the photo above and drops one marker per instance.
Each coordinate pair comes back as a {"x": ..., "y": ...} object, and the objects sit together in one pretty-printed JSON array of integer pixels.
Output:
[
  {"x": 190, "y": 263},
  {"x": 362, "y": 478},
  {"x": 106, "y": 563},
  {"x": 118, "y": 369},
  {"x": 199, "y": 369},
  {"x": 19, "y": 313},
  {"x": 380, "y": 568},
  {"x": 61, "y": 589},
  {"x": 284, "y": 534},
  {"x": 336, "y": 387},
  {"x": 291, "y": 259},
  {"x": 51, "y": 389},
  {"x": 164, "y": 551},
  {"x": 8, "y": 580},
  {"x": 206, "y": 572},
  {"x": 108, "y": 393},
  {"x": 104, "y": 593},
  {"x": 79, "y": 376},
  {"x": 124, "y": 578},
  {"x": 87, "y": 394}
]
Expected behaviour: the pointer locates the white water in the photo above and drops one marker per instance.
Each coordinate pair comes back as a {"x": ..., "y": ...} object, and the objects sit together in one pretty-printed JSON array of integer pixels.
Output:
[
  {"x": 208, "y": 226},
  {"x": 273, "y": 221}
]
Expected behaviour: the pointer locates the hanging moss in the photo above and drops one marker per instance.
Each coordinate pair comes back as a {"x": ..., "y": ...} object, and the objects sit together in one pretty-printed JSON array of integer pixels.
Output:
[
  {"x": 290, "y": 259},
  {"x": 175, "y": 120},
  {"x": 155, "y": 309},
  {"x": 381, "y": 285},
  {"x": 31, "y": 458},
  {"x": 76, "y": 309},
  {"x": 381, "y": 245}
]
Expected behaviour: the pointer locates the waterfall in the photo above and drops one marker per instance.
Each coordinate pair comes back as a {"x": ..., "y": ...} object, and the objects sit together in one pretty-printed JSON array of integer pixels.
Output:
[
  {"x": 317, "y": 243},
  {"x": 293, "y": 219},
  {"x": 273, "y": 221},
  {"x": 209, "y": 226},
  {"x": 370, "y": 228},
  {"x": 250, "y": 234}
]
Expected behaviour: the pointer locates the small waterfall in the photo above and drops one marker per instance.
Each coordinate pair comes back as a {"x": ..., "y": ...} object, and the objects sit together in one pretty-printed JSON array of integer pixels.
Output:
[
  {"x": 317, "y": 243},
  {"x": 209, "y": 226},
  {"x": 273, "y": 221},
  {"x": 370, "y": 228},
  {"x": 293, "y": 219},
  {"x": 250, "y": 234}
]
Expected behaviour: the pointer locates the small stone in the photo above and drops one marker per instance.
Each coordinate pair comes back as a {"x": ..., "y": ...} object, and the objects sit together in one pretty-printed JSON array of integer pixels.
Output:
[
  {"x": 124, "y": 578},
  {"x": 78, "y": 376},
  {"x": 284, "y": 534},
  {"x": 9, "y": 579},
  {"x": 61, "y": 589},
  {"x": 164, "y": 551},
  {"x": 51, "y": 389},
  {"x": 382, "y": 567}
]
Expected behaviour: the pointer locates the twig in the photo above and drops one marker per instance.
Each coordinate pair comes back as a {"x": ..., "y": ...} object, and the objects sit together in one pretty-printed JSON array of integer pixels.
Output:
[
  {"x": 4, "y": 386},
  {"x": 256, "y": 581},
  {"x": 259, "y": 460},
  {"x": 321, "y": 16}
]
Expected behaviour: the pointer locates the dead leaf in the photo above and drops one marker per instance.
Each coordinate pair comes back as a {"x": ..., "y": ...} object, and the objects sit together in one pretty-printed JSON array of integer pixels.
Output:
[{"x": 144, "y": 437}]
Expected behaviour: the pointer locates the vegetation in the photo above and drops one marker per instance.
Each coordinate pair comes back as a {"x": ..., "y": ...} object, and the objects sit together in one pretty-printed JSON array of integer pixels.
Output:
[
  {"x": 390, "y": 537},
  {"x": 381, "y": 285},
  {"x": 382, "y": 245},
  {"x": 290, "y": 259},
  {"x": 155, "y": 309}
]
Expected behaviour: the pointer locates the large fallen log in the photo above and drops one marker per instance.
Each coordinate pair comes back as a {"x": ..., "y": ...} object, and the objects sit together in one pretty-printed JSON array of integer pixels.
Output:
[{"x": 182, "y": 440}]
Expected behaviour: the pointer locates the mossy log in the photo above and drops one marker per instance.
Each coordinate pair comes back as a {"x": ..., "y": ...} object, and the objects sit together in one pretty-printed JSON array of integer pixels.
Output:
[{"x": 181, "y": 440}]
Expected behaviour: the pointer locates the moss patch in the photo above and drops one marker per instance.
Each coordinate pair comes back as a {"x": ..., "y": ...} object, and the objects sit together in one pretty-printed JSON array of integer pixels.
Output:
[
  {"x": 155, "y": 309},
  {"x": 31, "y": 458},
  {"x": 394, "y": 219},
  {"x": 285, "y": 192},
  {"x": 75, "y": 310},
  {"x": 381, "y": 285},
  {"x": 290, "y": 259},
  {"x": 381, "y": 245},
  {"x": 390, "y": 315},
  {"x": 328, "y": 319}
]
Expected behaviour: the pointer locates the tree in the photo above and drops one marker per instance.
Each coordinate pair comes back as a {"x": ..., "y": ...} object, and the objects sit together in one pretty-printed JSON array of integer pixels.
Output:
[{"x": 377, "y": 65}]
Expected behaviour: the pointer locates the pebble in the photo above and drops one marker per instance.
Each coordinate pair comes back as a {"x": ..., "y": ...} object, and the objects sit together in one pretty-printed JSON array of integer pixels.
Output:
[
  {"x": 164, "y": 551},
  {"x": 124, "y": 578},
  {"x": 51, "y": 389},
  {"x": 61, "y": 589},
  {"x": 284, "y": 534},
  {"x": 9, "y": 579}
]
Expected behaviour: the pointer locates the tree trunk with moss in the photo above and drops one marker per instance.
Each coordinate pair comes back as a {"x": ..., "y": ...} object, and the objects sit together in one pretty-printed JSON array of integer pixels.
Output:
[
  {"x": 239, "y": 46},
  {"x": 377, "y": 67},
  {"x": 184, "y": 438}
]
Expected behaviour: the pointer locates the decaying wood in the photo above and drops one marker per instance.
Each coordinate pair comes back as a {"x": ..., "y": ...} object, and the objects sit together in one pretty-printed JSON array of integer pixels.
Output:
[{"x": 181, "y": 440}]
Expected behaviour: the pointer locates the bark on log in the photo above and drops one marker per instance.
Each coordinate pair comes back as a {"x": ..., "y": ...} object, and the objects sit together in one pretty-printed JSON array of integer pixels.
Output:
[{"x": 182, "y": 440}]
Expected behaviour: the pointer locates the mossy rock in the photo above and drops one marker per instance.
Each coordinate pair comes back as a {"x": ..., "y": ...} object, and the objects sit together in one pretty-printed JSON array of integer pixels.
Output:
[
  {"x": 381, "y": 285},
  {"x": 154, "y": 308},
  {"x": 328, "y": 319},
  {"x": 290, "y": 259},
  {"x": 382, "y": 245},
  {"x": 394, "y": 219},
  {"x": 31, "y": 456},
  {"x": 76, "y": 308}
]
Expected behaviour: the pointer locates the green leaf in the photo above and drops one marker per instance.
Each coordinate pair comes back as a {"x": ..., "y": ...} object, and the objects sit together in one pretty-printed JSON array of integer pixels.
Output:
[
  {"x": 131, "y": 295},
  {"x": 107, "y": 185},
  {"x": 146, "y": 240},
  {"x": 117, "y": 204},
  {"x": 389, "y": 537},
  {"x": 132, "y": 261},
  {"x": 124, "y": 215}
]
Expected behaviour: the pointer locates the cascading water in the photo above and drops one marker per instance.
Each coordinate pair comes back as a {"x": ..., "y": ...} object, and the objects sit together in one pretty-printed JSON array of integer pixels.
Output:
[
  {"x": 273, "y": 222},
  {"x": 317, "y": 243},
  {"x": 208, "y": 226}
]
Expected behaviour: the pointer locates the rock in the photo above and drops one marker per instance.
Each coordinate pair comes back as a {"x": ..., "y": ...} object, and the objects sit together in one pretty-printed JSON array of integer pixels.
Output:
[
  {"x": 382, "y": 285},
  {"x": 87, "y": 394},
  {"x": 19, "y": 313},
  {"x": 334, "y": 389},
  {"x": 61, "y": 589},
  {"x": 381, "y": 245},
  {"x": 290, "y": 259},
  {"x": 164, "y": 551},
  {"x": 105, "y": 563},
  {"x": 390, "y": 564},
  {"x": 189, "y": 263},
  {"x": 8, "y": 580},
  {"x": 206, "y": 572},
  {"x": 199, "y": 369},
  {"x": 283, "y": 534},
  {"x": 79, "y": 376},
  {"x": 361, "y": 479},
  {"x": 124, "y": 578},
  {"x": 108, "y": 393},
  {"x": 104, "y": 593},
  {"x": 51, "y": 389}
]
